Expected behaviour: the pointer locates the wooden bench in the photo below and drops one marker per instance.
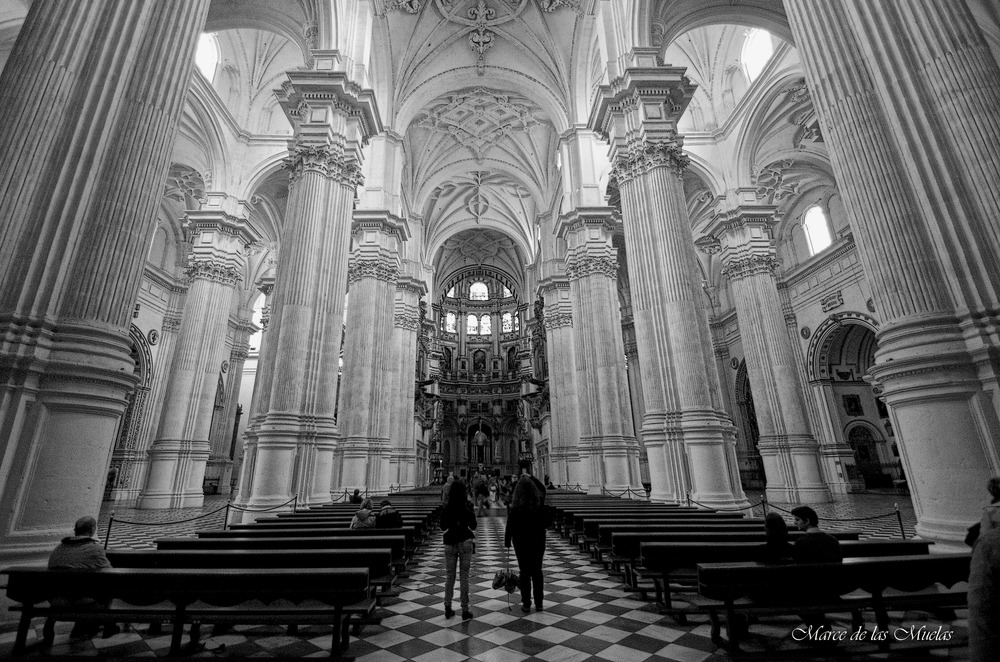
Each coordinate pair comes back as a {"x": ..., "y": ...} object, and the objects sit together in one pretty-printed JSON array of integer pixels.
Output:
[
  {"x": 676, "y": 562},
  {"x": 625, "y": 547},
  {"x": 311, "y": 595},
  {"x": 594, "y": 531},
  {"x": 877, "y": 584}
]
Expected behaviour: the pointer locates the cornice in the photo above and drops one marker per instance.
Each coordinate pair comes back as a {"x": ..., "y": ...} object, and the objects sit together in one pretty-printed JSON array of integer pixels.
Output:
[{"x": 802, "y": 271}]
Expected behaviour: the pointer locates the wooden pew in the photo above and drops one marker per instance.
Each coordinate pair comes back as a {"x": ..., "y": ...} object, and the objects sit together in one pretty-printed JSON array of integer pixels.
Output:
[
  {"x": 140, "y": 594},
  {"x": 807, "y": 587},
  {"x": 676, "y": 562},
  {"x": 313, "y": 531},
  {"x": 594, "y": 530},
  {"x": 396, "y": 544}
]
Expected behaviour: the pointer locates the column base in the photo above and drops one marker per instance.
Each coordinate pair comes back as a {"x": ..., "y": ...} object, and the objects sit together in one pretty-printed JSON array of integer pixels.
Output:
[
  {"x": 176, "y": 474},
  {"x": 792, "y": 469}
]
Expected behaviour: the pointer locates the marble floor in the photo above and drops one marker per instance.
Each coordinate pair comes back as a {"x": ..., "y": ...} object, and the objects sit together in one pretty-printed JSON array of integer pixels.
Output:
[{"x": 588, "y": 615}]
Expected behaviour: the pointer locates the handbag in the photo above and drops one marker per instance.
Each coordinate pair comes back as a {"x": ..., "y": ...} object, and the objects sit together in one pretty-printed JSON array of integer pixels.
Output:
[{"x": 506, "y": 579}]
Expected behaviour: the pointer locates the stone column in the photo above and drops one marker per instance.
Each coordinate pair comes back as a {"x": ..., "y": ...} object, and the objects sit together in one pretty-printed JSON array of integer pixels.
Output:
[
  {"x": 221, "y": 456},
  {"x": 557, "y": 322},
  {"x": 89, "y": 102},
  {"x": 406, "y": 326},
  {"x": 366, "y": 384},
  {"x": 607, "y": 438},
  {"x": 296, "y": 435},
  {"x": 834, "y": 454},
  {"x": 635, "y": 390},
  {"x": 684, "y": 429},
  {"x": 178, "y": 457},
  {"x": 913, "y": 144},
  {"x": 787, "y": 447}
]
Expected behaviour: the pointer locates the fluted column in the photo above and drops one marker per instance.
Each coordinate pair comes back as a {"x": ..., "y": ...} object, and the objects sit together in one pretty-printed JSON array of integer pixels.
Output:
[
  {"x": 221, "y": 455},
  {"x": 635, "y": 391},
  {"x": 910, "y": 105},
  {"x": 683, "y": 423},
  {"x": 406, "y": 325},
  {"x": 789, "y": 452},
  {"x": 89, "y": 102},
  {"x": 607, "y": 439},
  {"x": 296, "y": 435},
  {"x": 557, "y": 323},
  {"x": 364, "y": 413},
  {"x": 179, "y": 454}
]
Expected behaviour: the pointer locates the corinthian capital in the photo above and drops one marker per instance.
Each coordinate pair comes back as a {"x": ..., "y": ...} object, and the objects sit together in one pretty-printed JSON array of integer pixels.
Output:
[
  {"x": 326, "y": 160},
  {"x": 644, "y": 156},
  {"x": 586, "y": 265},
  {"x": 751, "y": 265},
  {"x": 378, "y": 267},
  {"x": 214, "y": 270}
]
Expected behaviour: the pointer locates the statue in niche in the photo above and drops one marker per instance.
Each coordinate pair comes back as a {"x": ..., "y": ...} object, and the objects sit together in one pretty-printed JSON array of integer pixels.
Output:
[
  {"x": 479, "y": 361},
  {"x": 446, "y": 359}
]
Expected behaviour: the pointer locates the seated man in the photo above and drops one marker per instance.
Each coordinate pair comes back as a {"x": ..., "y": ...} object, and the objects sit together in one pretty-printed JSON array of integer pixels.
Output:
[
  {"x": 816, "y": 546},
  {"x": 388, "y": 517},
  {"x": 81, "y": 551}
]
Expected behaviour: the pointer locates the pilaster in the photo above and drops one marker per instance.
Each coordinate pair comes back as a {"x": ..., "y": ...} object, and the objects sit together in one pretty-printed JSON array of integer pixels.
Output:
[
  {"x": 689, "y": 440},
  {"x": 607, "y": 438},
  {"x": 789, "y": 452},
  {"x": 179, "y": 454},
  {"x": 407, "y": 321}
]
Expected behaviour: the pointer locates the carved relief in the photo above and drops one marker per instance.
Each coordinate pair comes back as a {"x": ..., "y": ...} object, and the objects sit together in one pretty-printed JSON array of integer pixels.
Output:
[
  {"x": 379, "y": 269},
  {"x": 832, "y": 301},
  {"x": 771, "y": 182},
  {"x": 753, "y": 265},
  {"x": 325, "y": 160},
  {"x": 645, "y": 156},
  {"x": 557, "y": 320},
  {"x": 213, "y": 270},
  {"x": 605, "y": 265},
  {"x": 409, "y": 6}
]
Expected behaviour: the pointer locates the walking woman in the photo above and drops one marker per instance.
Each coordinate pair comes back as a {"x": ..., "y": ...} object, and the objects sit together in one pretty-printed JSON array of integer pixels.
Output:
[
  {"x": 527, "y": 520},
  {"x": 458, "y": 521}
]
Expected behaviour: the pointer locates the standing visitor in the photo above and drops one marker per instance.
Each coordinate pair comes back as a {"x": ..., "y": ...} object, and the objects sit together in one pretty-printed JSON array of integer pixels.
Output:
[
  {"x": 527, "y": 520},
  {"x": 458, "y": 522}
]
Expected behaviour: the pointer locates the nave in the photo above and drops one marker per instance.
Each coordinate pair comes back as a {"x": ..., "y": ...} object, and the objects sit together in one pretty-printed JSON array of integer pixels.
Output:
[{"x": 588, "y": 615}]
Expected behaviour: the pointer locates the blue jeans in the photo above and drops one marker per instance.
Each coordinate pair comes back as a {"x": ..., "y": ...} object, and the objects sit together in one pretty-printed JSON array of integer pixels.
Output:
[{"x": 461, "y": 555}]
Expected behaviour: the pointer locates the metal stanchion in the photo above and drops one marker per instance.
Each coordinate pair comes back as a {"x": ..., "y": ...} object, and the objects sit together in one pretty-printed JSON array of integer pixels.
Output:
[
  {"x": 899, "y": 518},
  {"x": 107, "y": 535},
  {"x": 225, "y": 520}
]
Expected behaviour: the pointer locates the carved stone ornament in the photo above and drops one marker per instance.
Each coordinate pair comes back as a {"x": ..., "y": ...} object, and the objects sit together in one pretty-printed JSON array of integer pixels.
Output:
[
  {"x": 325, "y": 160},
  {"x": 589, "y": 265},
  {"x": 734, "y": 363},
  {"x": 383, "y": 270},
  {"x": 153, "y": 336},
  {"x": 224, "y": 367},
  {"x": 754, "y": 265},
  {"x": 409, "y": 6},
  {"x": 832, "y": 301},
  {"x": 708, "y": 244},
  {"x": 805, "y": 332},
  {"x": 645, "y": 156},
  {"x": 409, "y": 322},
  {"x": 771, "y": 184},
  {"x": 556, "y": 320},
  {"x": 213, "y": 270}
]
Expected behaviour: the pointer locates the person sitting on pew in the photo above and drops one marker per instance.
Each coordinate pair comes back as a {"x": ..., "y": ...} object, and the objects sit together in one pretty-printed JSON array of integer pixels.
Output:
[
  {"x": 777, "y": 549},
  {"x": 81, "y": 551},
  {"x": 816, "y": 546},
  {"x": 365, "y": 517},
  {"x": 388, "y": 517}
]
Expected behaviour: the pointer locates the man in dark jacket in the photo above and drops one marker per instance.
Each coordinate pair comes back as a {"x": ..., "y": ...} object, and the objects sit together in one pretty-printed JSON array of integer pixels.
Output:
[
  {"x": 388, "y": 517},
  {"x": 816, "y": 546},
  {"x": 81, "y": 551}
]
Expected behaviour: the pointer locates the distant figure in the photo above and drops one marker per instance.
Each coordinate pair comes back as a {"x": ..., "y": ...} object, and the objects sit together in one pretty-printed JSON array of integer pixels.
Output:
[
  {"x": 365, "y": 517},
  {"x": 526, "y": 524},
  {"x": 388, "y": 517},
  {"x": 816, "y": 546},
  {"x": 458, "y": 521},
  {"x": 482, "y": 494},
  {"x": 81, "y": 551},
  {"x": 446, "y": 490},
  {"x": 548, "y": 483},
  {"x": 984, "y": 599},
  {"x": 991, "y": 514},
  {"x": 525, "y": 468},
  {"x": 506, "y": 490},
  {"x": 777, "y": 549},
  {"x": 494, "y": 493},
  {"x": 357, "y": 497}
]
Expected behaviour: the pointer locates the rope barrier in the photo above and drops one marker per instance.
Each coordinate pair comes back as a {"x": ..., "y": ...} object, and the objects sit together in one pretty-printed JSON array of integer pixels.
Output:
[
  {"x": 729, "y": 510},
  {"x": 844, "y": 519}
]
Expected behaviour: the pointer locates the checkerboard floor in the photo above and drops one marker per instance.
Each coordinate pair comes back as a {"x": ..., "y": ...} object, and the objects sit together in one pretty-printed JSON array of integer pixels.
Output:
[{"x": 588, "y": 616}]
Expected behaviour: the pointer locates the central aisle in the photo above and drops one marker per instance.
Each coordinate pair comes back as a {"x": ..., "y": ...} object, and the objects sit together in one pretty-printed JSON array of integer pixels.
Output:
[{"x": 586, "y": 615}]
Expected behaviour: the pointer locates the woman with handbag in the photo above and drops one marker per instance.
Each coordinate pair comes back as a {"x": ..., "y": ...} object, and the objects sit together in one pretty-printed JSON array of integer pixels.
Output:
[
  {"x": 526, "y": 524},
  {"x": 458, "y": 522}
]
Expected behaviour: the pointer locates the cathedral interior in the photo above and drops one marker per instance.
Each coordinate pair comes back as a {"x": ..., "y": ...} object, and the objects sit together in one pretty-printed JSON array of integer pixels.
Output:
[{"x": 687, "y": 249}]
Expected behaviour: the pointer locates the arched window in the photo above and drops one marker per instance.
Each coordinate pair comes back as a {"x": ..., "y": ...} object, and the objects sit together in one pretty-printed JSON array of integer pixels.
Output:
[
  {"x": 479, "y": 292},
  {"x": 506, "y": 293},
  {"x": 817, "y": 229},
  {"x": 472, "y": 325},
  {"x": 158, "y": 247},
  {"x": 449, "y": 323},
  {"x": 517, "y": 323},
  {"x": 451, "y": 292},
  {"x": 485, "y": 325},
  {"x": 207, "y": 56},
  {"x": 757, "y": 50},
  {"x": 508, "y": 323}
]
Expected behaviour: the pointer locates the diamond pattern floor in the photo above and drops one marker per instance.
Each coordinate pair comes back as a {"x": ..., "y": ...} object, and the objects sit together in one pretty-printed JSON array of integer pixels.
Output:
[{"x": 588, "y": 615}]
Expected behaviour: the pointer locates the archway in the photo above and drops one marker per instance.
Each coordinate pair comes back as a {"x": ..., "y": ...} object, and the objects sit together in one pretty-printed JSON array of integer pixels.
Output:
[
  {"x": 127, "y": 467},
  {"x": 748, "y": 456}
]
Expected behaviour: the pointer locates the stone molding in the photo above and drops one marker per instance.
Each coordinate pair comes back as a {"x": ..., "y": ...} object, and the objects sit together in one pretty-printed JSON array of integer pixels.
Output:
[
  {"x": 380, "y": 268},
  {"x": 171, "y": 322},
  {"x": 325, "y": 160},
  {"x": 754, "y": 265},
  {"x": 589, "y": 265},
  {"x": 644, "y": 156},
  {"x": 265, "y": 317},
  {"x": 214, "y": 271}
]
